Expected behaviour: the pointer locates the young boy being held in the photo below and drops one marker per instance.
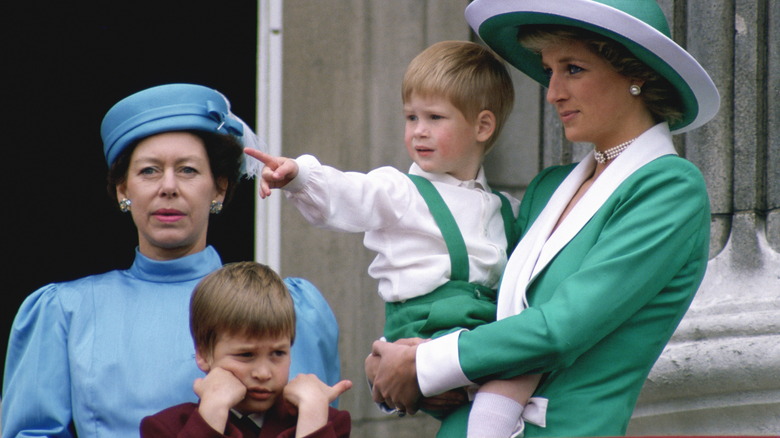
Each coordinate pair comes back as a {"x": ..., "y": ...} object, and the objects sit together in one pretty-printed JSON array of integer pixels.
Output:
[
  {"x": 243, "y": 324},
  {"x": 442, "y": 236}
]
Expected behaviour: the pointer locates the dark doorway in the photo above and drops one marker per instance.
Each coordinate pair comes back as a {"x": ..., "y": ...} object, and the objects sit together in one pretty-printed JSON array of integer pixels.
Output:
[{"x": 65, "y": 64}]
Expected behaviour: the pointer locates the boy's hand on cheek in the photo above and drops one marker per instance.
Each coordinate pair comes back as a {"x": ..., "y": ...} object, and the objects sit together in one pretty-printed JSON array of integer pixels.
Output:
[
  {"x": 310, "y": 397},
  {"x": 221, "y": 387},
  {"x": 219, "y": 391},
  {"x": 306, "y": 388}
]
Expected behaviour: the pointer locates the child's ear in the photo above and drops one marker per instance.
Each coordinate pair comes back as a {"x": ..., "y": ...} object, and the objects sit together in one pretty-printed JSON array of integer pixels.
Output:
[
  {"x": 486, "y": 125},
  {"x": 202, "y": 361}
]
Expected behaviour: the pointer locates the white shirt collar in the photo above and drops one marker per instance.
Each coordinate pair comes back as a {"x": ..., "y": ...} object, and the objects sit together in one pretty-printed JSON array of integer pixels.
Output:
[
  {"x": 257, "y": 417},
  {"x": 480, "y": 182}
]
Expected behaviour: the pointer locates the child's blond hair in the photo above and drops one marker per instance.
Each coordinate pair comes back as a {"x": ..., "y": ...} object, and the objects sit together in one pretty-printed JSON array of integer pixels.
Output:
[
  {"x": 469, "y": 75},
  {"x": 244, "y": 298}
]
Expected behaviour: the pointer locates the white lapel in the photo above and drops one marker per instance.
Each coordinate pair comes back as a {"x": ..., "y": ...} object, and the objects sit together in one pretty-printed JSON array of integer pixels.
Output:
[
  {"x": 525, "y": 255},
  {"x": 538, "y": 246}
]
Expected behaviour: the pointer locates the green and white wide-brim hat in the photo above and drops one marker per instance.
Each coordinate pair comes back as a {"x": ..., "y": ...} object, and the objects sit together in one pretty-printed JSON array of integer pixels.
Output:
[{"x": 639, "y": 25}]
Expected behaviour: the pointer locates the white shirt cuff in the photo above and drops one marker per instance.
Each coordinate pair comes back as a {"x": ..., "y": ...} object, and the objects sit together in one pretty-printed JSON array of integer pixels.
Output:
[
  {"x": 438, "y": 365},
  {"x": 305, "y": 164}
]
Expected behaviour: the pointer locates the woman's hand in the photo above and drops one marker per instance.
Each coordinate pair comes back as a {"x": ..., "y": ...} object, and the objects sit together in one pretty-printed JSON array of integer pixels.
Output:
[
  {"x": 372, "y": 362},
  {"x": 394, "y": 373},
  {"x": 443, "y": 403},
  {"x": 446, "y": 402}
]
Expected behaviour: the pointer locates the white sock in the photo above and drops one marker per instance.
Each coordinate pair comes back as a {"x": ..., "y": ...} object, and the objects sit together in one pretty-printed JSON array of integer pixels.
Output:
[{"x": 493, "y": 416}]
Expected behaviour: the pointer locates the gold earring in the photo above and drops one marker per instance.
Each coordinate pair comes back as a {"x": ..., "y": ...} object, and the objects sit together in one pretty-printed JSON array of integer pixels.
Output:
[
  {"x": 216, "y": 207},
  {"x": 124, "y": 205}
]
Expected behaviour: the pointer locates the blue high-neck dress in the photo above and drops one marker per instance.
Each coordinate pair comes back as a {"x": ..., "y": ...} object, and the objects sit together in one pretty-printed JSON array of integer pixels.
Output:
[{"x": 104, "y": 351}]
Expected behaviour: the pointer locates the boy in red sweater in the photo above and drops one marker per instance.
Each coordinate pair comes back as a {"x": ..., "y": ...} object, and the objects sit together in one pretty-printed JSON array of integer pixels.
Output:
[{"x": 243, "y": 324}]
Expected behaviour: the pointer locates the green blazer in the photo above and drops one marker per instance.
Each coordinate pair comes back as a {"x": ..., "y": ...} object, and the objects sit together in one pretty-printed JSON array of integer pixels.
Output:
[{"x": 602, "y": 309}]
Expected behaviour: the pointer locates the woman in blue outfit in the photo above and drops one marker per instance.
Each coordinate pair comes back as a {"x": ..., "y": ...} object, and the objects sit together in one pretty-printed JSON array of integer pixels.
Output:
[{"x": 92, "y": 357}]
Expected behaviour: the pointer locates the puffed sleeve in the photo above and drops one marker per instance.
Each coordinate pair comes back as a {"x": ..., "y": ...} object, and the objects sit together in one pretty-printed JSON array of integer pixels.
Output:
[
  {"x": 36, "y": 384},
  {"x": 315, "y": 350}
]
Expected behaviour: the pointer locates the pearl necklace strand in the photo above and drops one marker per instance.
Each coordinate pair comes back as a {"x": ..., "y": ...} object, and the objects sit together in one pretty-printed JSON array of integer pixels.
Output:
[{"x": 611, "y": 153}]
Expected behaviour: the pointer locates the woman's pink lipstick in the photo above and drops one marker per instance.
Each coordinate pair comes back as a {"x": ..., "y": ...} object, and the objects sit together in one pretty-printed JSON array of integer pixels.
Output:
[
  {"x": 566, "y": 116},
  {"x": 168, "y": 215}
]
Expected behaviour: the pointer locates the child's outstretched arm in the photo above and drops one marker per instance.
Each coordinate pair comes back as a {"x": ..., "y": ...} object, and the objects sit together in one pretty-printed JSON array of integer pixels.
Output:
[
  {"x": 278, "y": 171},
  {"x": 219, "y": 391},
  {"x": 312, "y": 397}
]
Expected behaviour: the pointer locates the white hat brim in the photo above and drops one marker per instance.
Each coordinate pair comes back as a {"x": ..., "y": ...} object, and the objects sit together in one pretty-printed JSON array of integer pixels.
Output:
[{"x": 497, "y": 23}]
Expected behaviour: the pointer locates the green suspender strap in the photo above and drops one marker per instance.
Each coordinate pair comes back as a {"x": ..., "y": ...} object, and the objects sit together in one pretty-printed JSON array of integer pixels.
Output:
[
  {"x": 453, "y": 305},
  {"x": 459, "y": 257},
  {"x": 509, "y": 223}
]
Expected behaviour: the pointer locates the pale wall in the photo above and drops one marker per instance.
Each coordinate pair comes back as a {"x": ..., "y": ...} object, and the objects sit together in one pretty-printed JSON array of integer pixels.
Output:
[{"x": 343, "y": 63}]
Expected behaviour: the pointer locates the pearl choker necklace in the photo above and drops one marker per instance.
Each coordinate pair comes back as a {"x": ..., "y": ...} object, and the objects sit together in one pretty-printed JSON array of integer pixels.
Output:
[{"x": 611, "y": 153}]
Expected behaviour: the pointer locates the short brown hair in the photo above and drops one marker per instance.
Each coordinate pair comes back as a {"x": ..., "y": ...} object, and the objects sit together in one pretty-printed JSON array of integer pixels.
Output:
[
  {"x": 244, "y": 298},
  {"x": 469, "y": 75},
  {"x": 661, "y": 98}
]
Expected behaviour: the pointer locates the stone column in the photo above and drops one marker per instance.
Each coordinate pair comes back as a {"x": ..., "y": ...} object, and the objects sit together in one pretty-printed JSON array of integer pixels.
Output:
[
  {"x": 343, "y": 65},
  {"x": 720, "y": 374}
]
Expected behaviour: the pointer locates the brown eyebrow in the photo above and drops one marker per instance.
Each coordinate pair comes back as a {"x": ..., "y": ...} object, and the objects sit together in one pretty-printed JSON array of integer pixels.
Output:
[{"x": 153, "y": 160}]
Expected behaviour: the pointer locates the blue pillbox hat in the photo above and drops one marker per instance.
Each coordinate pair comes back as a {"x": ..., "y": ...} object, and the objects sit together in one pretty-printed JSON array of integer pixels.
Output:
[{"x": 165, "y": 108}]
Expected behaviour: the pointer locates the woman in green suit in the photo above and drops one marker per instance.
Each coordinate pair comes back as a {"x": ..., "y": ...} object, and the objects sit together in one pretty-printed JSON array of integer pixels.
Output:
[{"x": 614, "y": 247}]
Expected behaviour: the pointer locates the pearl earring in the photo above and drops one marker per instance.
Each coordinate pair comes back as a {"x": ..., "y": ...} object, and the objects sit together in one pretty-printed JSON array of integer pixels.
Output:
[
  {"x": 635, "y": 90},
  {"x": 124, "y": 205},
  {"x": 216, "y": 207}
]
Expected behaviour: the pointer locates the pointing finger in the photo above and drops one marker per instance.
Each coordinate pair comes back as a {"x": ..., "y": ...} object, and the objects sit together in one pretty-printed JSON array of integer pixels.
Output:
[{"x": 268, "y": 160}]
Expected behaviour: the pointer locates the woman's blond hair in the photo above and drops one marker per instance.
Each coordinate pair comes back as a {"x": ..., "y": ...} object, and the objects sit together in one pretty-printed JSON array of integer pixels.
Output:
[
  {"x": 469, "y": 75},
  {"x": 244, "y": 298}
]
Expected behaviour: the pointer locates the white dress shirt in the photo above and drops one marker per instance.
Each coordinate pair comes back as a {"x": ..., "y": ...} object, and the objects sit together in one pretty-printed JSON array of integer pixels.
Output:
[{"x": 412, "y": 257}]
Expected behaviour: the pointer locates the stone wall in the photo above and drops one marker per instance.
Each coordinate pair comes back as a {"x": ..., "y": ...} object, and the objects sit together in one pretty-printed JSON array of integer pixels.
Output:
[
  {"x": 721, "y": 372},
  {"x": 343, "y": 64}
]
